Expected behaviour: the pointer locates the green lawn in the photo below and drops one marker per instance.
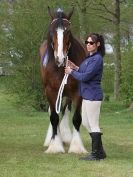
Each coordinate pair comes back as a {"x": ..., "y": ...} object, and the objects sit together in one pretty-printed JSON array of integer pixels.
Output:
[{"x": 22, "y": 153}]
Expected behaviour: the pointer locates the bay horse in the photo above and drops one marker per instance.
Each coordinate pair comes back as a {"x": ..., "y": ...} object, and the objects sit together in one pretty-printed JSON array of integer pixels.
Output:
[{"x": 61, "y": 44}]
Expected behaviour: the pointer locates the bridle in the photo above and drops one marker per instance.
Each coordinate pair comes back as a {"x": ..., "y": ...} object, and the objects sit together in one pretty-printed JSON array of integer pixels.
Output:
[{"x": 64, "y": 19}]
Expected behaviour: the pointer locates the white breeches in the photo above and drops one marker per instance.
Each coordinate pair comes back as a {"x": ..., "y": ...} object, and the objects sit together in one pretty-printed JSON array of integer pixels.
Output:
[{"x": 90, "y": 115}]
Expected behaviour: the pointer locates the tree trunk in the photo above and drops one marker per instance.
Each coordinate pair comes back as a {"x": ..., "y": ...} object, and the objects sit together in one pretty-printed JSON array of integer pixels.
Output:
[
  {"x": 117, "y": 79},
  {"x": 82, "y": 9}
]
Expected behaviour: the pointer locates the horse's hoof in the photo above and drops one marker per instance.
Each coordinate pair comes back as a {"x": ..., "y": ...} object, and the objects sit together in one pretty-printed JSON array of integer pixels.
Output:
[
  {"x": 50, "y": 151},
  {"x": 77, "y": 151},
  {"x": 54, "y": 149}
]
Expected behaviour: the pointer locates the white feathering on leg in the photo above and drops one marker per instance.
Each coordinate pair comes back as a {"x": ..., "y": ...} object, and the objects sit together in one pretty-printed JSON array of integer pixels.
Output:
[
  {"x": 65, "y": 130},
  {"x": 49, "y": 132},
  {"x": 76, "y": 145},
  {"x": 48, "y": 136},
  {"x": 55, "y": 146}
]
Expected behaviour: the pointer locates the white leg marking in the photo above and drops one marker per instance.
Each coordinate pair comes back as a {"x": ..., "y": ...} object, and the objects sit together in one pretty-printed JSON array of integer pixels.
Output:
[
  {"x": 48, "y": 136},
  {"x": 49, "y": 132},
  {"x": 55, "y": 146},
  {"x": 65, "y": 130},
  {"x": 76, "y": 145},
  {"x": 49, "y": 111}
]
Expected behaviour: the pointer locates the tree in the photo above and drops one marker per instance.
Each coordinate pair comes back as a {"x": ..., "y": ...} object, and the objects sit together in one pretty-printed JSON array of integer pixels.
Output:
[
  {"x": 112, "y": 14},
  {"x": 25, "y": 27},
  {"x": 87, "y": 22},
  {"x": 26, "y": 24},
  {"x": 127, "y": 78},
  {"x": 117, "y": 41},
  {"x": 82, "y": 15}
]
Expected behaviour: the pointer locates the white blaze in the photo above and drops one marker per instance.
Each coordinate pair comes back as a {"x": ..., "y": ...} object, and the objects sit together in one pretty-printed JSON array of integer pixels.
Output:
[{"x": 60, "y": 54}]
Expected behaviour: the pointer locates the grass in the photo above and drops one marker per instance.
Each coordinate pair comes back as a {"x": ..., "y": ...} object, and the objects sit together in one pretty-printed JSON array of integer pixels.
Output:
[{"x": 22, "y": 153}]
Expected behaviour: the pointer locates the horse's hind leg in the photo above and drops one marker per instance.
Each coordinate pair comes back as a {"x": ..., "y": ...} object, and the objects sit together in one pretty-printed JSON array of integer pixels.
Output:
[
  {"x": 76, "y": 145},
  {"x": 55, "y": 145},
  {"x": 65, "y": 130}
]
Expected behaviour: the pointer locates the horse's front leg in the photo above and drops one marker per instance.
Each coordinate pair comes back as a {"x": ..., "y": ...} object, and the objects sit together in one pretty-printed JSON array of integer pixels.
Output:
[
  {"x": 65, "y": 130},
  {"x": 76, "y": 145},
  {"x": 55, "y": 145},
  {"x": 49, "y": 133}
]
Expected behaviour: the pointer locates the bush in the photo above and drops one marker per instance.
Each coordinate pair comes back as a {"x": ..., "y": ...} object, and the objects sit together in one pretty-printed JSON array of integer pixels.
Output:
[
  {"x": 108, "y": 78},
  {"x": 27, "y": 23},
  {"x": 25, "y": 33},
  {"x": 127, "y": 77}
]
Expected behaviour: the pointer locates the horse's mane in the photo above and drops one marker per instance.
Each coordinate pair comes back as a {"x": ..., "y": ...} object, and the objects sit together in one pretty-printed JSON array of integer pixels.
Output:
[{"x": 77, "y": 51}]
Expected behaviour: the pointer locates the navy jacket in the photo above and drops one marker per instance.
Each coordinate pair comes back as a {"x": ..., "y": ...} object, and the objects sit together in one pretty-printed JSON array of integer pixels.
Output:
[{"x": 89, "y": 75}]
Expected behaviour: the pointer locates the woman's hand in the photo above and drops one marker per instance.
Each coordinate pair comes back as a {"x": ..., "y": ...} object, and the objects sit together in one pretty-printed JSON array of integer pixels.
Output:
[
  {"x": 72, "y": 65},
  {"x": 68, "y": 70}
]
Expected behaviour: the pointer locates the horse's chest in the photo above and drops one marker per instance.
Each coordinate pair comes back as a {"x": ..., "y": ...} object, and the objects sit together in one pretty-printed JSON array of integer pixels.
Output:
[{"x": 53, "y": 79}]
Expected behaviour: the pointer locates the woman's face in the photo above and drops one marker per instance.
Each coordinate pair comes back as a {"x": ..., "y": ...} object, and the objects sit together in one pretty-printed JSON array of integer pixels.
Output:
[{"x": 91, "y": 45}]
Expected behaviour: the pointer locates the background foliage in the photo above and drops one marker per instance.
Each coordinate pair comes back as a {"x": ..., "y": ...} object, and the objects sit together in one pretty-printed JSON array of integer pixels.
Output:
[
  {"x": 127, "y": 77},
  {"x": 23, "y": 26}
]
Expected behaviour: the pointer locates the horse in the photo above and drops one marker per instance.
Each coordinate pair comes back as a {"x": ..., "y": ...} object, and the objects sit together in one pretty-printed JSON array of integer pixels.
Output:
[{"x": 59, "y": 45}]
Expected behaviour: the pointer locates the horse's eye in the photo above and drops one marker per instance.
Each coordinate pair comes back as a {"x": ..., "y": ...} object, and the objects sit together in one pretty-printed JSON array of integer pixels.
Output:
[{"x": 66, "y": 29}]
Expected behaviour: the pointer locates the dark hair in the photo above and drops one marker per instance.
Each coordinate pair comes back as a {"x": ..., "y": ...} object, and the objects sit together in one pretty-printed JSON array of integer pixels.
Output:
[{"x": 98, "y": 38}]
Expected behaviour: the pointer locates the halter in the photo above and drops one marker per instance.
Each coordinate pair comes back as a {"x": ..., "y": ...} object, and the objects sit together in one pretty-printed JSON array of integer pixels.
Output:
[{"x": 64, "y": 19}]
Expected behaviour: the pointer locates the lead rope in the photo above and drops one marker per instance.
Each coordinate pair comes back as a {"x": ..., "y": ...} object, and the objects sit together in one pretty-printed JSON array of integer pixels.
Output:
[{"x": 59, "y": 96}]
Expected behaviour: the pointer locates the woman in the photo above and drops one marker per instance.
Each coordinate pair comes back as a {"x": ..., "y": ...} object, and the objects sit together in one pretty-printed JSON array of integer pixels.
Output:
[{"x": 89, "y": 75}]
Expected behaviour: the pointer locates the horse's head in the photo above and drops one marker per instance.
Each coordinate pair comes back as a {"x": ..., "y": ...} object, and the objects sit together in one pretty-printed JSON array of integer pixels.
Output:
[{"x": 60, "y": 35}]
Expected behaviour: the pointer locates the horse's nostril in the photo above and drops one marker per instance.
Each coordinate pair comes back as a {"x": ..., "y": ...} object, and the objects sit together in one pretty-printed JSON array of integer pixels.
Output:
[{"x": 57, "y": 63}]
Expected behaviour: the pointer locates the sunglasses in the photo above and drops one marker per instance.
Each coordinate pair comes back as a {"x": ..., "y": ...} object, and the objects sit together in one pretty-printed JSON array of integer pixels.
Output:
[{"x": 89, "y": 42}]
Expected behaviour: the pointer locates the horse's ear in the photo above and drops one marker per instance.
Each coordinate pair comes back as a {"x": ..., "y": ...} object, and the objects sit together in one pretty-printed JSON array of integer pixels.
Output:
[
  {"x": 50, "y": 13},
  {"x": 70, "y": 14}
]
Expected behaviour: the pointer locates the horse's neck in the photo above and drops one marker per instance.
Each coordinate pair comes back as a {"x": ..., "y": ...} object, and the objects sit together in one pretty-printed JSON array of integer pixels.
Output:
[
  {"x": 77, "y": 52},
  {"x": 50, "y": 52}
]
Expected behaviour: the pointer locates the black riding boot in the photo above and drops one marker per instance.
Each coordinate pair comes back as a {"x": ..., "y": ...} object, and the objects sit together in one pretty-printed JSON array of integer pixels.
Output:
[
  {"x": 102, "y": 154},
  {"x": 97, "y": 148}
]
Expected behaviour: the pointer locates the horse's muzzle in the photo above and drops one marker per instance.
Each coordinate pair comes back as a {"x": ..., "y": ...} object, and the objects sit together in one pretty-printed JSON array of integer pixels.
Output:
[{"x": 62, "y": 63}]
